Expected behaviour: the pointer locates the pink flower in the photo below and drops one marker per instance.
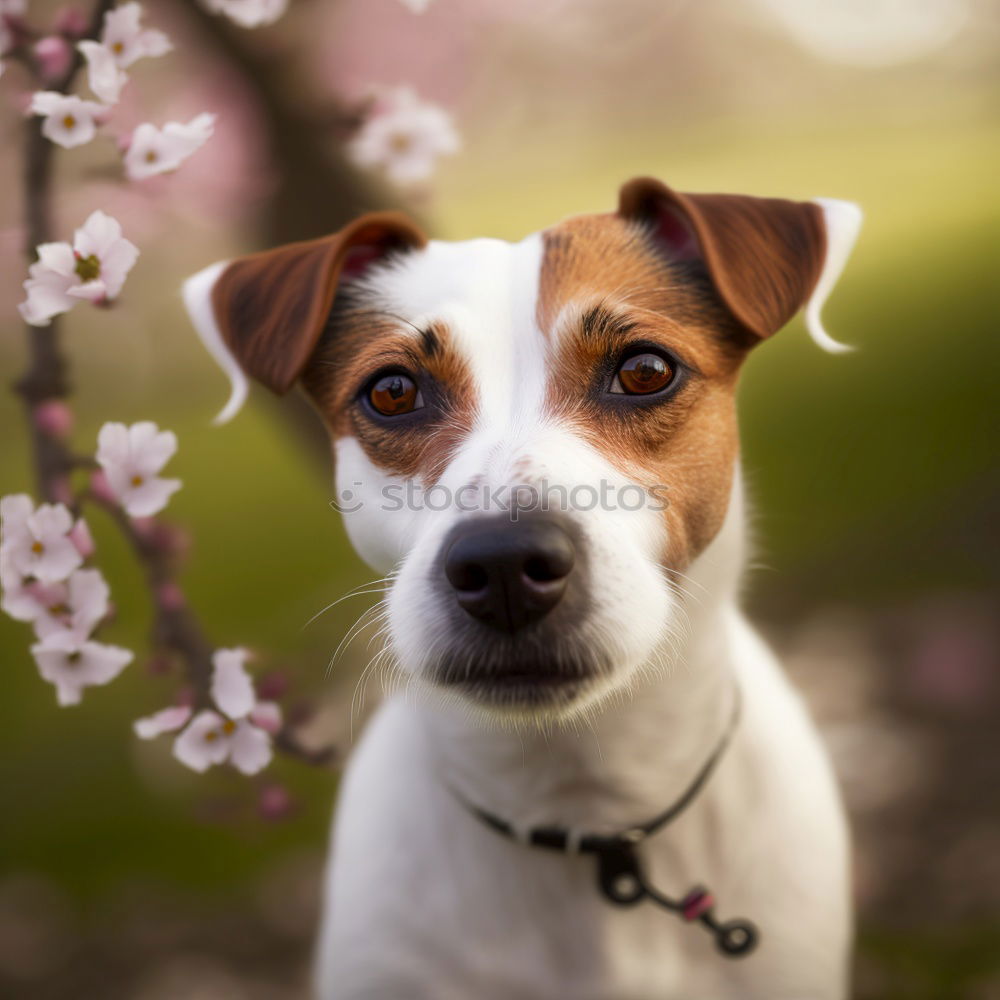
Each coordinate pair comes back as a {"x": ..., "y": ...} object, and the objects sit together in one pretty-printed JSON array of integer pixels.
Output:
[
  {"x": 404, "y": 137},
  {"x": 76, "y": 606},
  {"x": 248, "y": 13},
  {"x": 239, "y": 732},
  {"x": 132, "y": 458},
  {"x": 93, "y": 268},
  {"x": 158, "y": 151},
  {"x": 36, "y": 543},
  {"x": 69, "y": 120},
  {"x": 72, "y": 663}
]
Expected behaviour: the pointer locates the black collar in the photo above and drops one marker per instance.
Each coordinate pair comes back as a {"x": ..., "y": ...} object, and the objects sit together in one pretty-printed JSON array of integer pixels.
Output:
[{"x": 620, "y": 876}]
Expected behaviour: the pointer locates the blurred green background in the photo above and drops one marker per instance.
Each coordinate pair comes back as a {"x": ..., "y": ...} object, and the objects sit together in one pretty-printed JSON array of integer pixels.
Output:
[{"x": 873, "y": 475}]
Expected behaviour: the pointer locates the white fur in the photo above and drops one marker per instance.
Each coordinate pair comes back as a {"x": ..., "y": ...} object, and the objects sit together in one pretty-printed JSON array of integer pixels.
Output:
[
  {"x": 197, "y": 293},
  {"x": 422, "y": 901},
  {"x": 425, "y": 902},
  {"x": 843, "y": 223}
]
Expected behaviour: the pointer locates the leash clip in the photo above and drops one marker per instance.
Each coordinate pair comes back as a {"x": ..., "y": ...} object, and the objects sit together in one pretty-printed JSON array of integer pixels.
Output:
[{"x": 622, "y": 882}]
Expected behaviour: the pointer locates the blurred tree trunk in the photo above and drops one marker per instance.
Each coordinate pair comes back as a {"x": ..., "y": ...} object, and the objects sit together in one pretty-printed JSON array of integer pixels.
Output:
[{"x": 317, "y": 190}]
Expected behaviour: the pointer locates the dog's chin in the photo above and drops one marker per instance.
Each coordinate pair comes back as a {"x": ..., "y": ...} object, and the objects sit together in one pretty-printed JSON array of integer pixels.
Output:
[{"x": 511, "y": 683}]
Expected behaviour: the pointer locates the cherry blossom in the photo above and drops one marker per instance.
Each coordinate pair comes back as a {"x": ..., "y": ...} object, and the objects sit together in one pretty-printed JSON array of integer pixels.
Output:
[
  {"x": 93, "y": 268},
  {"x": 76, "y": 606},
  {"x": 36, "y": 543},
  {"x": 72, "y": 663},
  {"x": 159, "y": 150},
  {"x": 69, "y": 121},
  {"x": 132, "y": 458},
  {"x": 239, "y": 732},
  {"x": 123, "y": 41},
  {"x": 403, "y": 137},
  {"x": 248, "y": 13},
  {"x": 104, "y": 75}
]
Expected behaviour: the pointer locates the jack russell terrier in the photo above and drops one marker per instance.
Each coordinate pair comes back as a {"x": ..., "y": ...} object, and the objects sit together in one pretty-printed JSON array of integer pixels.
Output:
[{"x": 607, "y": 789}]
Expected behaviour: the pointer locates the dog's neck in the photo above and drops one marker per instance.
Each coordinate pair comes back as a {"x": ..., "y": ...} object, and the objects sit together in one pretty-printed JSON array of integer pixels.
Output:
[{"x": 627, "y": 760}]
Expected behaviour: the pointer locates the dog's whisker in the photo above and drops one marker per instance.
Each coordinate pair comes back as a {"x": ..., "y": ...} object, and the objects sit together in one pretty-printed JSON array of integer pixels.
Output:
[{"x": 373, "y": 587}]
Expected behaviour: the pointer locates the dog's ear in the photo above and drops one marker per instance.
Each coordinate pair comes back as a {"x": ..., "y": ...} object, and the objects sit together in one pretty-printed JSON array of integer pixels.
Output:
[
  {"x": 262, "y": 315},
  {"x": 767, "y": 257}
]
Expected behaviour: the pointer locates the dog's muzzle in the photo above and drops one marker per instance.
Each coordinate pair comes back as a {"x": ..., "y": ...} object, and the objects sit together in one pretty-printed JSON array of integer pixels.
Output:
[{"x": 517, "y": 598}]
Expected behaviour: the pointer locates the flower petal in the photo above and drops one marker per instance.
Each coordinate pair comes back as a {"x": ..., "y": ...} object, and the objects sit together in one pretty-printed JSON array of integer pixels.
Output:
[
  {"x": 167, "y": 720},
  {"x": 266, "y": 715},
  {"x": 250, "y": 749},
  {"x": 232, "y": 689},
  {"x": 104, "y": 76}
]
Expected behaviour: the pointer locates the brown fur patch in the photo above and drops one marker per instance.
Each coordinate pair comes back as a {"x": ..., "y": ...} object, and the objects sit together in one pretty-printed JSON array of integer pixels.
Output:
[
  {"x": 604, "y": 288},
  {"x": 355, "y": 346}
]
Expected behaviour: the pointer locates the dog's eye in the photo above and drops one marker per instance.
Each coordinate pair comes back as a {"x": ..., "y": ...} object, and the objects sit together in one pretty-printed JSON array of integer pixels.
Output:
[
  {"x": 394, "y": 394},
  {"x": 642, "y": 374}
]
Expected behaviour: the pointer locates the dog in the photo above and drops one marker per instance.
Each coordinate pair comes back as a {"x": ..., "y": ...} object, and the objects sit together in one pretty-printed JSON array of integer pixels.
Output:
[{"x": 596, "y": 783}]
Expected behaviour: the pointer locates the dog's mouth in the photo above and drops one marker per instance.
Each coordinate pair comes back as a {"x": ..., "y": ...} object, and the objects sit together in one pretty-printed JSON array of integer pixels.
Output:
[{"x": 512, "y": 680}]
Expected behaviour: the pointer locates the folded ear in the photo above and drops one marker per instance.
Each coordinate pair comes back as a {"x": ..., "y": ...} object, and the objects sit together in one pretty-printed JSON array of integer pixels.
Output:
[
  {"x": 262, "y": 315},
  {"x": 767, "y": 257}
]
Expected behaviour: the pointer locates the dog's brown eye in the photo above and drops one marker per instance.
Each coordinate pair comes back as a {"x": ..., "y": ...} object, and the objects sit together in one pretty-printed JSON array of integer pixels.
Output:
[
  {"x": 394, "y": 394},
  {"x": 642, "y": 374}
]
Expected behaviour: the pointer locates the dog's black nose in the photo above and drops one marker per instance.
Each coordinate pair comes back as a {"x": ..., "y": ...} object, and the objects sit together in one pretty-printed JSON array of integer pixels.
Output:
[{"x": 509, "y": 573}]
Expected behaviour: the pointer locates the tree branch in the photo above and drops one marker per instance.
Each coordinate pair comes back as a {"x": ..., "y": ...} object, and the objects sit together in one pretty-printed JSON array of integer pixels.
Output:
[{"x": 176, "y": 626}]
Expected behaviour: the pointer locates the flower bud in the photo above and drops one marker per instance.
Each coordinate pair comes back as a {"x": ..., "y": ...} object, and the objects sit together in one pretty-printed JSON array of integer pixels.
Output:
[
  {"x": 54, "y": 56},
  {"x": 275, "y": 802},
  {"x": 53, "y": 417},
  {"x": 170, "y": 597},
  {"x": 81, "y": 537},
  {"x": 71, "y": 21}
]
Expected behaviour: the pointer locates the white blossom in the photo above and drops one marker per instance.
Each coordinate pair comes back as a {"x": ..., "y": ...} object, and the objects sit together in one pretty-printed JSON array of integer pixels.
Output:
[
  {"x": 240, "y": 731},
  {"x": 93, "y": 268},
  {"x": 36, "y": 543},
  {"x": 159, "y": 150},
  {"x": 416, "y": 6},
  {"x": 76, "y": 606},
  {"x": 132, "y": 458},
  {"x": 105, "y": 76},
  {"x": 404, "y": 137},
  {"x": 248, "y": 13},
  {"x": 123, "y": 41},
  {"x": 72, "y": 663},
  {"x": 69, "y": 121},
  {"x": 127, "y": 39}
]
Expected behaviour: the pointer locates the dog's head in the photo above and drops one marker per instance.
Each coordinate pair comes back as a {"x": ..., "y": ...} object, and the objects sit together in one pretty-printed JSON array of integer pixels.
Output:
[{"x": 536, "y": 439}]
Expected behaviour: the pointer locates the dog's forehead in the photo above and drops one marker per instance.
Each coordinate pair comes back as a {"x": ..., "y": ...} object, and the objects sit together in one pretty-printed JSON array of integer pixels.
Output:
[
  {"x": 481, "y": 277},
  {"x": 487, "y": 288}
]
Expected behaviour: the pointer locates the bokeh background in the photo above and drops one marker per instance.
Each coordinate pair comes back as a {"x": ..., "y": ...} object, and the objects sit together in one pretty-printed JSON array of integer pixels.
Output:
[{"x": 873, "y": 474}]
